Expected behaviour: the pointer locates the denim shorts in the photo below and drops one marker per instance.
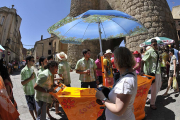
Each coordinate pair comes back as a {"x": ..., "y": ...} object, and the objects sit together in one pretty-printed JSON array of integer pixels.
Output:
[{"x": 30, "y": 102}]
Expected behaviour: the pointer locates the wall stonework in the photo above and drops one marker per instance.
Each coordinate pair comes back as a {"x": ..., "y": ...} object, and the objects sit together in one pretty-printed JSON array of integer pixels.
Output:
[
  {"x": 75, "y": 51},
  {"x": 155, "y": 15}
]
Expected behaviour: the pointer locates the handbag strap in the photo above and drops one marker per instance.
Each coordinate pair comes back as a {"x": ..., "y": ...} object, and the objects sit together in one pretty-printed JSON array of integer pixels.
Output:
[{"x": 123, "y": 76}]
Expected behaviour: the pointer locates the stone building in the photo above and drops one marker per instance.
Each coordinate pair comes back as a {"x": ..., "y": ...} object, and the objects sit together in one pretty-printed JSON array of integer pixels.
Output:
[
  {"x": 176, "y": 17},
  {"x": 29, "y": 52},
  {"x": 48, "y": 46},
  {"x": 24, "y": 53},
  {"x": 58, "y": 47},
  {"x": 10, "y": 36},
  {"x": 155, "y": 15},
  {"x": 42, "y": 47}
]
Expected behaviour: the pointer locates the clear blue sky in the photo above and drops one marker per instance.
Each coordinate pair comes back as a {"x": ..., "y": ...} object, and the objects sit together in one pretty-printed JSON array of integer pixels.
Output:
[{"x": 38, "y": 15}]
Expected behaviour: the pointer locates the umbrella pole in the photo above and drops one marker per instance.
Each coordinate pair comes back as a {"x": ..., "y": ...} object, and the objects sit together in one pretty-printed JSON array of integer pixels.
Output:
[{"x": 100, "y": 39}]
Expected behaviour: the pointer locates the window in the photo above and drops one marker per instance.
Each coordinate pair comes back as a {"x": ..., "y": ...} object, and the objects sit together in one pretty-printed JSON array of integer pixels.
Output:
[
  {"x": 49, "y": 52},
  {"x": 2, "y": 20},
  {"x": 49, "y": 43},
  {"x": 179, "y": 23}
]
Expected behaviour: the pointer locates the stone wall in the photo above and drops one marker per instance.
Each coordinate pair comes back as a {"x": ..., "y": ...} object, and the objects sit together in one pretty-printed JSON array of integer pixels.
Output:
[
  {"x": 155, "y": 15},
  {"x": 78, "y": 7},
  {"x": 75, "y": 51}
]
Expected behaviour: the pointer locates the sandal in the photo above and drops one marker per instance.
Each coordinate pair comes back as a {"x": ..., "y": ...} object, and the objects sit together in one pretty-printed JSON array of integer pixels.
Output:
[{"x": 153, "y": 107}]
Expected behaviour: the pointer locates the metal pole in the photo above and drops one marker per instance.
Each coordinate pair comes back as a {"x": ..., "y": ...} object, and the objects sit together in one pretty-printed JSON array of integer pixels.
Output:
[{"x": 101, "y": 53}]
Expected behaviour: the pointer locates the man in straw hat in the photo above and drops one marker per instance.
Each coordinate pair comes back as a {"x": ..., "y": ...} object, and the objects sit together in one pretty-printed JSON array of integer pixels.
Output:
[
  {"x": 86, "y": 67},
  {"x": 108, "y": 68},
  {"x": 64, "y": 69}
]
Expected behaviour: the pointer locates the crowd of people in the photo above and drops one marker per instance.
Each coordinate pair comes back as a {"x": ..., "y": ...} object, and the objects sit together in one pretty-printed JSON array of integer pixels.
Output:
[{"x": 121, "y": 68}]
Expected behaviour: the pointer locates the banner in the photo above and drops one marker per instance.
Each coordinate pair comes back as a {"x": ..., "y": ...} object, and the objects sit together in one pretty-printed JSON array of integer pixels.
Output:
[{"x": 7, "y": 109}]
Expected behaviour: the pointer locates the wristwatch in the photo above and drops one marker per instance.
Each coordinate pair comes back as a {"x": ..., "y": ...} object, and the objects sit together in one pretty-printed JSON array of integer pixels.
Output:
[{"x": 103, "y": 101}]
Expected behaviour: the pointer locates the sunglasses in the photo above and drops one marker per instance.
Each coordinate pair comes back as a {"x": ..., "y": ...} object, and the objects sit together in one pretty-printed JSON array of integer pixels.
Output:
[{"x": 32, "y": 60}]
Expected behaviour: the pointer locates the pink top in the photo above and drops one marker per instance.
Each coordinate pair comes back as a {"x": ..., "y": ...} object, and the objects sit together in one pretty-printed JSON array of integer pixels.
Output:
[
  {"x": 98, "y": 63},
  {"x": 138, "y": 60}
]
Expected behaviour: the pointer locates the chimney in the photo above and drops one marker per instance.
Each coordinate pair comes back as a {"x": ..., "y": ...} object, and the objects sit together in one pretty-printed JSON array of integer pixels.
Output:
[
  {"x": 12, "y": 6},
  {"x": 41, "y": 37}
]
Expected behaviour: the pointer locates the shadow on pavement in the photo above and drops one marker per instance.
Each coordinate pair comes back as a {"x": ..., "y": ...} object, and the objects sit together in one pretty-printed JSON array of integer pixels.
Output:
[
  {"x": 162, "y": 113},
  {"x": 63, "y": 115}
]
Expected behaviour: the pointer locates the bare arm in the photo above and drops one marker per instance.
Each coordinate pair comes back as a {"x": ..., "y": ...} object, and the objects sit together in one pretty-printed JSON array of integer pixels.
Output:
[
  {"x": 142, "y": 65},
  {"x": 105, "y": 72},
  {"x": 8, "y": 90},
  {"x": 41, "y": 89},
  {"x": 120, "y": 106},
  {"x": 81, "y": 71},
  {"x": 174, "y": 63},
  {"x": 38, "y": 88},
  {"x": 60, "y": 75},
  {"x": 136, "y": 66},
  {"x": 28, "y": 80}
]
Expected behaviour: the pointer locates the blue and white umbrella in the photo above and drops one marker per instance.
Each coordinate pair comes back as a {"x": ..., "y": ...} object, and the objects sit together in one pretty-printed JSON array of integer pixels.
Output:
[{"x": 96, "y": 24}]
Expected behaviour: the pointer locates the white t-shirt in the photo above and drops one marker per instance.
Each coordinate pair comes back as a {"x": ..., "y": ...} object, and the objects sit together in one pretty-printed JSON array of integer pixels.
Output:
[{"x": 126, "y": 85}]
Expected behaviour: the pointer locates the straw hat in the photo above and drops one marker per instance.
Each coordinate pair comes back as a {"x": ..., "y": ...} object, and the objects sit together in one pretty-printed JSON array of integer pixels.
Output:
[
  {"x": 62, "y": 56},
  {"x": 108, "y": 51}
]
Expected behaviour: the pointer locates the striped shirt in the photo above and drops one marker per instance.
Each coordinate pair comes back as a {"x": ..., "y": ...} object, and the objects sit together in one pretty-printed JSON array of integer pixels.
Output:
[{"x": 83, "y": 64}]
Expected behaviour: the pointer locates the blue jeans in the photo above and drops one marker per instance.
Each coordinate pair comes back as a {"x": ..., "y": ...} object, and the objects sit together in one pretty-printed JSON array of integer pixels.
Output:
[{"x": 41, "y": 110}]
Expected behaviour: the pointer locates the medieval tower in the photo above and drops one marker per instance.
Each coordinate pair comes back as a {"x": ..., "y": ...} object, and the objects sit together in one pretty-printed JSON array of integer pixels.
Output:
[{"x": 155, "y": 15}]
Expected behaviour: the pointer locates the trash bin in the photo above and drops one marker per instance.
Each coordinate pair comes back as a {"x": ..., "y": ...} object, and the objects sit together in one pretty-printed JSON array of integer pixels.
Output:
[
  {"x": 78, "y": 103},
  {"x": 144, "y": 84}
]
